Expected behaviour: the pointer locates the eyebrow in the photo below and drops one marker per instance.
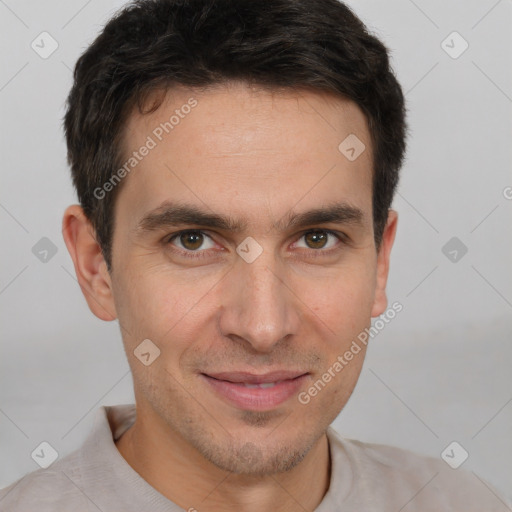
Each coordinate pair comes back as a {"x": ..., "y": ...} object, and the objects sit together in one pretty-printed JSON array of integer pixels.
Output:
[{"x": 170, "y": 214}]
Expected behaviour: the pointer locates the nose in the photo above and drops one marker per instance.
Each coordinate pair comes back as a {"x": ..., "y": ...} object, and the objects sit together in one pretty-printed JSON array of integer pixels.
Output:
[{"x": 258, "y": 304}]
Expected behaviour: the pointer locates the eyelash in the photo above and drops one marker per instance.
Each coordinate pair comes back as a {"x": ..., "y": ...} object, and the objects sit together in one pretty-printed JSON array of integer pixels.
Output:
[{"x": 201, "y": 253}]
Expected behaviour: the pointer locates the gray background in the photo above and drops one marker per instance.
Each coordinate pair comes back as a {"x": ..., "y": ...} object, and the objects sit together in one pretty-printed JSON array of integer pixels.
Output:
[{"x": 439, "y": 372}]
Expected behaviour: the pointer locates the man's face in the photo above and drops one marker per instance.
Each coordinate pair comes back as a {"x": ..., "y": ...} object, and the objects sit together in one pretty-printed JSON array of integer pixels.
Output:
[{"x": 257, "y": 160}]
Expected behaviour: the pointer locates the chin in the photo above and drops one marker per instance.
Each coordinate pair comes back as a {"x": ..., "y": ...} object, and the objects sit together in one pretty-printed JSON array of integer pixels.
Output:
[{"x": 254, "y": 460}]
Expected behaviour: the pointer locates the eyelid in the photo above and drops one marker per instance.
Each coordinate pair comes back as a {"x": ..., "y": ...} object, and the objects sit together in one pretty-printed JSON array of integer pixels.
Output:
[
  {"x": 170, "y": 238},
  {"x": 342, "y": 238}
]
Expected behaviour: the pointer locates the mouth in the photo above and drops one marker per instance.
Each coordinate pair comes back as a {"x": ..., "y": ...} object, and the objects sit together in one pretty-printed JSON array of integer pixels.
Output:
[{"x": 256, "y": 392}]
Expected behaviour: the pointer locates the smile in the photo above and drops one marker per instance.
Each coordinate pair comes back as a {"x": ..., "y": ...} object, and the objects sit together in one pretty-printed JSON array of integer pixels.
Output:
[{"x": 255, "y": 392}]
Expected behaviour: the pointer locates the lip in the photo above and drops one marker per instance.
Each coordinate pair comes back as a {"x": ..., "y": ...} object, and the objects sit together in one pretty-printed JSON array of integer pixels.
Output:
[
  {"x": 231, "y": 387},
  {"x": 251, "y": 378}
]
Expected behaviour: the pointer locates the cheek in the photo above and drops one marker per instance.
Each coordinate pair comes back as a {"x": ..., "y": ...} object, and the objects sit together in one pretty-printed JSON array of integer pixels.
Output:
[
  {"x": 155, "y": 303},
  {"x": 167, "y": 305},
  {"x": 342, "y": 300},
  {"x": 330, "y": 391}
]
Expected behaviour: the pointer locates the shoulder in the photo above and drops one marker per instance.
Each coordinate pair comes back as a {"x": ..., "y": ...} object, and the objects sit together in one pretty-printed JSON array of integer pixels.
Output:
[
  {"x": 54, "y": 489},
  {"x": 414, "y": 482}
]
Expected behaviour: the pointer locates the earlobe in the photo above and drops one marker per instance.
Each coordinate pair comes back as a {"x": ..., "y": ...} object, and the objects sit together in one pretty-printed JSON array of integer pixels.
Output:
[
  {"x": 90, "y": 266},
  {"x": 388, "y": 237}
]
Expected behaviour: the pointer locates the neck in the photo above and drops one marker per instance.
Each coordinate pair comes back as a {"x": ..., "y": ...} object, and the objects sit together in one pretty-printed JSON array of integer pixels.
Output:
[{"x": 180, "y": 473}]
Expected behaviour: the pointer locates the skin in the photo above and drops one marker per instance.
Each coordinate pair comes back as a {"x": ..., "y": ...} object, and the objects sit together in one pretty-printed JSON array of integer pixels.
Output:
[{"x": 255, "y": 156}]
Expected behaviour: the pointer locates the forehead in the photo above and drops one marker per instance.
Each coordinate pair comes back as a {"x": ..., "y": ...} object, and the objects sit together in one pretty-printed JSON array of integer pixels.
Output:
[{"x": 233, "y": 148}]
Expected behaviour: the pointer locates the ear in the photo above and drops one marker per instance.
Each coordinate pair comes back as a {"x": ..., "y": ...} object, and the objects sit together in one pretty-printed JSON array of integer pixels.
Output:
[
  {"x": 381, "y": 301},
  {"x": 90, "y": 266}
]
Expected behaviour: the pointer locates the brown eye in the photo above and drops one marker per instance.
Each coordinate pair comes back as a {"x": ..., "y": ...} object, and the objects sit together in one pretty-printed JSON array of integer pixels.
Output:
[
  {"x": 320, "y": 241},
  {"x": 316, "y": 239},
  {"x": 192, "y": 240},
  {"x": 193, "y": 244}
]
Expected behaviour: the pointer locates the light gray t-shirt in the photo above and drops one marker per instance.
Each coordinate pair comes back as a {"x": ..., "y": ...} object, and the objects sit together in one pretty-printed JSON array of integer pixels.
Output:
[{"x": 364, "y": 477}]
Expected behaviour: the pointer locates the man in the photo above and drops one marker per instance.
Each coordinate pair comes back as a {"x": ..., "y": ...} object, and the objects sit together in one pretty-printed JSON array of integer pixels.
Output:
[{"x": 235, "y": 163}]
